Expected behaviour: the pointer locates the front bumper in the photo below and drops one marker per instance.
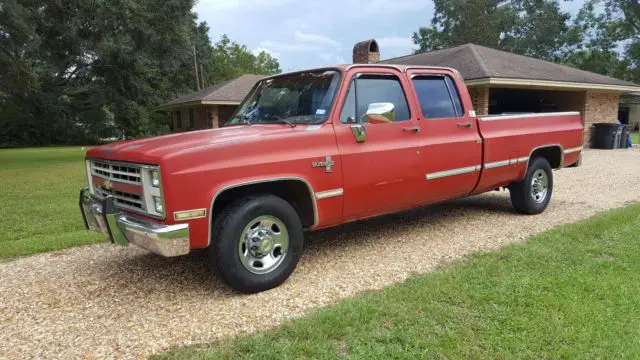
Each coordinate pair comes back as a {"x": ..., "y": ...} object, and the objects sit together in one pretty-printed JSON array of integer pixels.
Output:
[{"x": 124, "y": 229}]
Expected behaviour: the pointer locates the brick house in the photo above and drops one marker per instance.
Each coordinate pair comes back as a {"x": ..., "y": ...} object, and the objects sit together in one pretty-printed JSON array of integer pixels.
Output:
[
  {"x": 503, "y": 82},
  {"x": 211, "y": 107}
]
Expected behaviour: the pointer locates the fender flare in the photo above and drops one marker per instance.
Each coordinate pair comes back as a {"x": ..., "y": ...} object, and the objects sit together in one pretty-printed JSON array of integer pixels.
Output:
[
  {"x": 545, "y": 147},
  {"x": 312, "y": 196}
]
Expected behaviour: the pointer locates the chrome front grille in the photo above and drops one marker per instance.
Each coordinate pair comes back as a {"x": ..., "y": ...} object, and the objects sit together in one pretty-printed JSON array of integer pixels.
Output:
[
  {"x": 129, "y": 174},
  {"x": 122, "y": 199},
  {"x": 131, "y": 185}
]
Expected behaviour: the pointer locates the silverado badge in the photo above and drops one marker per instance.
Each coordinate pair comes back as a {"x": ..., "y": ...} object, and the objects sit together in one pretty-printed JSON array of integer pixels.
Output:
[
  {"x": 327, "y": 164},
  {"x": 107, "y": 185}
]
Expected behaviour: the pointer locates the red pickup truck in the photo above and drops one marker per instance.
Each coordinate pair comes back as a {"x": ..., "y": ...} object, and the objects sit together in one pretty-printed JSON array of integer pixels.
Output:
[{"x": 313, "y": 149}]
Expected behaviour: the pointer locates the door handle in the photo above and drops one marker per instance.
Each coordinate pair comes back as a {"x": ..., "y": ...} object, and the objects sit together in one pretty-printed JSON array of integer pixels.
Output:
[
  {"x": 467, "y": 125},
  {"x": 415, "y": 129}
]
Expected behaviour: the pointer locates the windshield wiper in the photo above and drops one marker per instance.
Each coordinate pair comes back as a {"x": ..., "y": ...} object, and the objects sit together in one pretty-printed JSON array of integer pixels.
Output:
[{"x": 278, "y": 118}]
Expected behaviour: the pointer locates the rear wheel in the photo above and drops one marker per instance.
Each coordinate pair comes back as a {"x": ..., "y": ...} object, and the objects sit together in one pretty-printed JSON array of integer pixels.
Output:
[
  {"x": 532, "y": 195},
  {"x": 257, "y": 243}
]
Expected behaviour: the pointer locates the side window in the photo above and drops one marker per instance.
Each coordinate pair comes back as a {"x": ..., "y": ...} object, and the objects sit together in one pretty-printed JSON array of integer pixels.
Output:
[
  {"x": 378, "y": 98},
  {"x": 438, "y": 97}
]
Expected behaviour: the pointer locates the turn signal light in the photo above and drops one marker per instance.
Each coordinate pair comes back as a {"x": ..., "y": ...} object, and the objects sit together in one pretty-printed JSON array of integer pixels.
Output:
[{"x": 189, "y": 214}]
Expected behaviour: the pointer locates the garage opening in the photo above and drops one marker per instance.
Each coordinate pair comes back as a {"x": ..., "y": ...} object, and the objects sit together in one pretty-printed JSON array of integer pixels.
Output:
[{"x": 510, "y": 101}]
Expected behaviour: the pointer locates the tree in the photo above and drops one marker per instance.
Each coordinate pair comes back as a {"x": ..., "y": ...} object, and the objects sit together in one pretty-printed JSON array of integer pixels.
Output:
[
  {"x": 611, "y": 39},
  {"x": 541, "y": 30},
  {"x": 457, "y": 22},
  {"x": 535, "y": 28},
  {"x": 75, "y": 69},
  {"x": 75, "y": 65},
  {"x": 227, "y": 59},
  {"x": 629, "y": 27}
]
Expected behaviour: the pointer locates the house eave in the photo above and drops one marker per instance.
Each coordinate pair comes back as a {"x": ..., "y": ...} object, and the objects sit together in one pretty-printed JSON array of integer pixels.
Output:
[
  {"x": 169, "y": 107},
  {"x": 548, "y": 84}
]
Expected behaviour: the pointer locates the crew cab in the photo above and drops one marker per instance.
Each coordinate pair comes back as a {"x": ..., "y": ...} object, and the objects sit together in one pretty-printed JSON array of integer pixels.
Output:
[{"x": 313, "y": 149}]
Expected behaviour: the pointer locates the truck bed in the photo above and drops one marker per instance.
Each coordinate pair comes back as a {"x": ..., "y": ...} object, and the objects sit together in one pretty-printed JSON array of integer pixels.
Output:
[{"x": 509, "y": 141}]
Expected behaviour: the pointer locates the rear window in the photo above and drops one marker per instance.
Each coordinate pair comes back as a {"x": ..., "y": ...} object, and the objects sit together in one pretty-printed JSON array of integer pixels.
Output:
[{"x": 438, "y": 96}]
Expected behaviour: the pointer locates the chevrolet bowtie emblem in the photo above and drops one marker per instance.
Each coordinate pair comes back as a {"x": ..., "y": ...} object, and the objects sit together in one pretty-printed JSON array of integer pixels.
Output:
[
  {"x": 327, "y": 164},
  {"x": 107, "y": 185}
]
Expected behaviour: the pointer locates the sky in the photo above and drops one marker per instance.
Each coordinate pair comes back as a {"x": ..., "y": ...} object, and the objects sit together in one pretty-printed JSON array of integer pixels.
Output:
[{"x": 308, "y": 33}]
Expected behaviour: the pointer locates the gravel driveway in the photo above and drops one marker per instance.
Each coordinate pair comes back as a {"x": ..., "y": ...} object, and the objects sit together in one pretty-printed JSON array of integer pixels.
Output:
[{"x": 106, "y": 301}]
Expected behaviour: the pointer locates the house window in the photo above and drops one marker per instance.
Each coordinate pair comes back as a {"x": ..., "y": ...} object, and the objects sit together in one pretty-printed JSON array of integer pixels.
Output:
[
  {"x": 190, "y": 118},
  {"x": 178, "y": 119}
]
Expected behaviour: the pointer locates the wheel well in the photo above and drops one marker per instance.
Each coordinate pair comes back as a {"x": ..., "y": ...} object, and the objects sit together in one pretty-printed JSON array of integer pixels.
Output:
[
  {"x": 553, "y": 154},
  {"x": 296, "y": 192}
]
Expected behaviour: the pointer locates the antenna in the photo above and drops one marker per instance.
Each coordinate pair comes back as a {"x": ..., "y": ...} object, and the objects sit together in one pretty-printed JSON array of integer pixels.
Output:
[
  {"x": 195, "y": 65},
  {"x": 202, "y": 76}
]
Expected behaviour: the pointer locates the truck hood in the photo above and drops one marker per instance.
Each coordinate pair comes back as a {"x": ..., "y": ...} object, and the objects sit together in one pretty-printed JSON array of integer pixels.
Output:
[{"x": 153, "y": 150}]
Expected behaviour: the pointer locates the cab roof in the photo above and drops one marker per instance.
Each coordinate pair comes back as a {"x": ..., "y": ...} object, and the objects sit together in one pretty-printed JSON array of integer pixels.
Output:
[{"x": 347, "y": 67}]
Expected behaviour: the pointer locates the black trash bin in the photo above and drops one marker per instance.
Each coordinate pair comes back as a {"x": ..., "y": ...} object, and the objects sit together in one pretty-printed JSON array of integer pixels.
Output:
[
  {"x": 624, "y": 136},
  {"x": 606, "y": 136}
]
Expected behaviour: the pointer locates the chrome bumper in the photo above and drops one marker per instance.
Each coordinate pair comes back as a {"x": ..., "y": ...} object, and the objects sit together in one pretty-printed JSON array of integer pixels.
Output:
[{"x": 123, "y": 229}]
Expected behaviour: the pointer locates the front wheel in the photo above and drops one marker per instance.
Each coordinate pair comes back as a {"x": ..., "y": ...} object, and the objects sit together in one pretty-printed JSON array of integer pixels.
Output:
[
  {"x": 257, "y": 243},
  {"x": 532, "y": 195}
]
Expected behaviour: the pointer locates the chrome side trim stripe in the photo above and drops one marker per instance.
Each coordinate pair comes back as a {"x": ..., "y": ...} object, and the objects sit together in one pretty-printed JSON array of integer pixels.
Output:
[
  {"x": 329, "y": 193},
  {"x": 470, "y": 169},
  {"x": 496, "y": 164},
  {"x": 526, "y": 116},
  {"x": 573, "y": 150},
  {"x": 452, "y": 172}
]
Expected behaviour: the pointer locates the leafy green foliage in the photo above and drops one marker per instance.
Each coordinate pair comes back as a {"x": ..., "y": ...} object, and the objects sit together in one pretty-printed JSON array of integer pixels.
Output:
[
  {"x": 610, "y": 42},
  {"x": 230, "y": 59},
  {"x": 75, "y": 70},
  {"x": 604, "y": 37},
  {"x": 567, "y": 293},
  {"x": 529, "y": 27}
]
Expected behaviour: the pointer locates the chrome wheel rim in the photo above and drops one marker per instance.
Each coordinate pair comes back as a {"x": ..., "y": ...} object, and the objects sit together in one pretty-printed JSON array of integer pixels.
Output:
[
  {"x": 539, "y": 185},
  {"x": 263, "y": 244}
]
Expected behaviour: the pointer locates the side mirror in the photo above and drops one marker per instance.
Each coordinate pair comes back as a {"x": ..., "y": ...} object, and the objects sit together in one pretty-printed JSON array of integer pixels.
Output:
[{"x": 380, "y": 113}]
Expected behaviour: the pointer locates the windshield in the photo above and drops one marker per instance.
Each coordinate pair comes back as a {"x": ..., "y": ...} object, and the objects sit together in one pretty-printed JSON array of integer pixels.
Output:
[{"x": 301, "y": 98}]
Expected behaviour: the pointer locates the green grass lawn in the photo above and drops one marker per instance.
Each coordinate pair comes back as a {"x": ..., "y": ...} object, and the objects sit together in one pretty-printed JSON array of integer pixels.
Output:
[
  {"x": 572, "y": 292},
  {"x": 635, "y": 137},
  {"x": 39, "y": 200}
]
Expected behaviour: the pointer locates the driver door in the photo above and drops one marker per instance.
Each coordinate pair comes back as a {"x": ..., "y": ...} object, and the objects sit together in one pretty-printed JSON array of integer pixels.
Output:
[{"x": 378, "y": 139}]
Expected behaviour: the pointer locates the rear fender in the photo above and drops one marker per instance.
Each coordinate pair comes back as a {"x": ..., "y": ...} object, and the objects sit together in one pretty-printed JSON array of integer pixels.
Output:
[{"x": 554, "y": 153}]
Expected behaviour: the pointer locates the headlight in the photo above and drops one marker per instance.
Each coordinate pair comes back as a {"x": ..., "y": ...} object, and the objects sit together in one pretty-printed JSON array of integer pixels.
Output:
[
  {"x": 155, "y": 178},
  {"x": 152, "y": 188},
  {"x": 158, "y": 205}
]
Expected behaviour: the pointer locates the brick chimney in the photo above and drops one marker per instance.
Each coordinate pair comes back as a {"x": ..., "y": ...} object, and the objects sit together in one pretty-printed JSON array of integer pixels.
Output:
[{"x": 366, "y": 52}]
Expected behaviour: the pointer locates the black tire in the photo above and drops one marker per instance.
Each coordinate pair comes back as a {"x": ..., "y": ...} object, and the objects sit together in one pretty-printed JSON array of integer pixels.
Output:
[
  {"x": 521, "y": 192},
  {"x": 227, "y": 232}
]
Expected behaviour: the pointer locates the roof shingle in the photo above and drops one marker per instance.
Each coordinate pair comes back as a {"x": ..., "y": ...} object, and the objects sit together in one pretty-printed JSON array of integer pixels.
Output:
[
  {"x": 478, "y": 62},
  {"x": 231, "y": 91}
]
